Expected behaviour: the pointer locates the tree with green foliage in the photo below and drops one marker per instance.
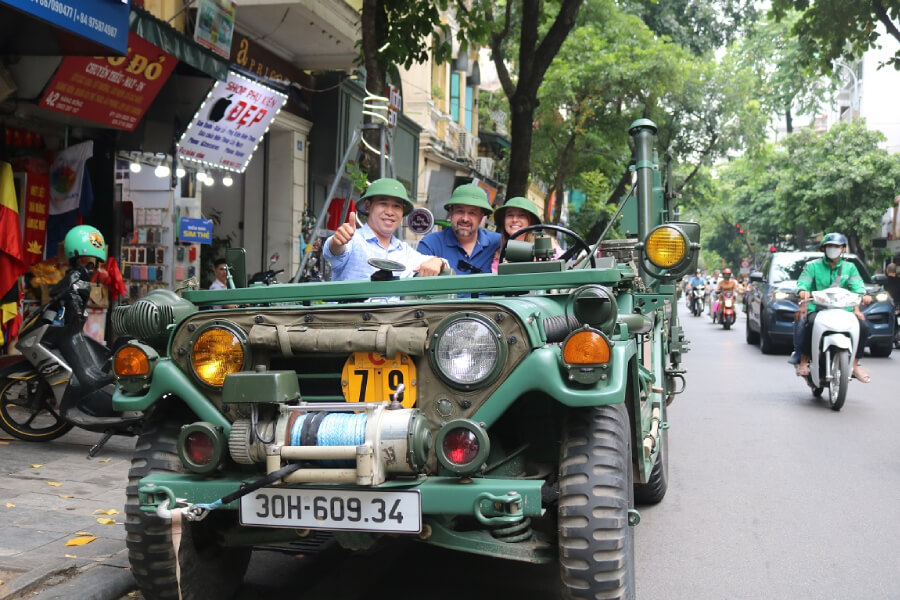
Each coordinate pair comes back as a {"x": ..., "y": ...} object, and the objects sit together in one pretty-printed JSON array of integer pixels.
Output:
[
  {"x": 840, "y": 180},
  {"x": 610, "y": 71},
  {"x": 541, "y": 27},
  {"x": 785, "y": 85},
  {"x": 833, "y": 29},
  {"x": 699, "y": 27}
]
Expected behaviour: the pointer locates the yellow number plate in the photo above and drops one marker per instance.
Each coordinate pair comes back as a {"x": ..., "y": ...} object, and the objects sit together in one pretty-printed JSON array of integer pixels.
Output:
[{"x": 370, "y": 377}]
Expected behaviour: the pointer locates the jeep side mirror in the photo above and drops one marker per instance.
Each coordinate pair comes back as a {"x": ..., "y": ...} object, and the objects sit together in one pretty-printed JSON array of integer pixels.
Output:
[
  {"x": 236, "y": 258},
  {"x": 880, "y": 279},
  {"x": 756, "y": 276}
]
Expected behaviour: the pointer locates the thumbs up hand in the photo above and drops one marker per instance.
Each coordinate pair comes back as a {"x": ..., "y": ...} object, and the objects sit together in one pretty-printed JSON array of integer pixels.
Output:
[{"x": 344, "y": 234}]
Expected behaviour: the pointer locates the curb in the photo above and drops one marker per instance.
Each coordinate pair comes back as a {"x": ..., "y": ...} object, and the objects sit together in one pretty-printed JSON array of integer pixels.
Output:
[
  {"x": 102, "y": 582},
  {"x": 35, "y": 577}
]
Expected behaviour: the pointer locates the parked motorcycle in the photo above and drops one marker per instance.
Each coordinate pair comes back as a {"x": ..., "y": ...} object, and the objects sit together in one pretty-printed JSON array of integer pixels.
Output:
[
  {"x": 835, "y": 336},
  {"x": 698, "y": 295},
  {"x": 61, "y": 379},
  {"x": 269, "y": 276},
  {"x": 725, "y": 313}
]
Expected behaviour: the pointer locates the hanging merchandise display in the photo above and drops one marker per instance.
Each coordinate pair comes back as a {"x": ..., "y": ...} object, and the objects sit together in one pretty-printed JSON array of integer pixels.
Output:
[
  {"x": 152, "y": 256},
  {"x": 230, "y": 123},
  {"x": 114, "y": 91}
]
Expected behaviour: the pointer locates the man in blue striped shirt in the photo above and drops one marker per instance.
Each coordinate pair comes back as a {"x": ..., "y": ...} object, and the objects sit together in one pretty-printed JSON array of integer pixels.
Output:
[{"x": 349, "y": 249}]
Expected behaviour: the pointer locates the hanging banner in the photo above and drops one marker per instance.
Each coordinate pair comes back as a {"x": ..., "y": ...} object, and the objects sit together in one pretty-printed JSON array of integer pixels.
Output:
[
  {"x": 197, "y": 231},
  {"x": 215, "y": 25},
  {"x": 230, "y": 123},
  {"x": 116, "y": 91},
  {"x": 66, "y": 174},
  {"x": 37, "y": 207},
  {"x": 102, "y": 21}
]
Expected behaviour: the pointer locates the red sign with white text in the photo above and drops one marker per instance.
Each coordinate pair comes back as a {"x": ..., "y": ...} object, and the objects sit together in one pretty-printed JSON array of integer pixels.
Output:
[
  {"x": 37, "y": 207},
  {"x": 114, "y": 91}
]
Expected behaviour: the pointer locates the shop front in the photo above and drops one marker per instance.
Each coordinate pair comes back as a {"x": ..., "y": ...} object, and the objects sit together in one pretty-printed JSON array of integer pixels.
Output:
[{"x": 66, "y": 119}]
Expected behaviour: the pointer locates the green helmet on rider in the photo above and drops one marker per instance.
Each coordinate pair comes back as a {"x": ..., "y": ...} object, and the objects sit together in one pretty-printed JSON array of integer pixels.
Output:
[{"x": 84, "y": 241}]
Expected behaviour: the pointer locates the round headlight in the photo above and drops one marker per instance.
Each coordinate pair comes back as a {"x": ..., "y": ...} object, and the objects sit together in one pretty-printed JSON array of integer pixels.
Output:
[
  {"x": 217, "y": 352},
  {"x": 468, "y": 351},
  {"x": 666, "y": 246},
  {"x": 882, "y": 296}
]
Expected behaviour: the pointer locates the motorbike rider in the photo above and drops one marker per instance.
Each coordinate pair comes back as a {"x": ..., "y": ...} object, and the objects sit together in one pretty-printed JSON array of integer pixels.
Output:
[
  {"x": 726, "y": 284},
  {"x": 695, "y": 281},
  {"x": 85, "y": 248},
  {"x": 820, "y": 274}
]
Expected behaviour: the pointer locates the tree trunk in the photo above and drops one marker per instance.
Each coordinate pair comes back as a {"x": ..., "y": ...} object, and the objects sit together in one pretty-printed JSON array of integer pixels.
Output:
[
  {"x": 855, "y": 247},
  {"x": 788, "y": 121},
  {"x": 521, "y": 131},
  {"x": 373, "y": 25},
  {"x": 559, "y": 181}
]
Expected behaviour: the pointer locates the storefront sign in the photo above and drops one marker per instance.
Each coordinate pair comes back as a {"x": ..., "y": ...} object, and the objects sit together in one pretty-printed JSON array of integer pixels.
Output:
[
  {"x": 196, "y": 231},
  {"x": 215, "y": 25},
  {"x": 230, "y": 123},
  {"x": 257, "y": 59},
  {"x": 395, "y": 103},
  {"x": 102, "y": 21},
  {"x": 37, "y": 207},
  {"x": 115, "y": 92}
]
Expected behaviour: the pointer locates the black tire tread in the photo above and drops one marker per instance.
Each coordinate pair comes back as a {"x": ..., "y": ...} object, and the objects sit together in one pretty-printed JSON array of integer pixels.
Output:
[
  {"x": 149, "y": 538},
  {"x": 596, "y": 543}
]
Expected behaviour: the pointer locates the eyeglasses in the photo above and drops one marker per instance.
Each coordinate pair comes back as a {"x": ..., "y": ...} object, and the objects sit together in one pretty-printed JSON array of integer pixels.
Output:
[{"x": 462, "y": 265}]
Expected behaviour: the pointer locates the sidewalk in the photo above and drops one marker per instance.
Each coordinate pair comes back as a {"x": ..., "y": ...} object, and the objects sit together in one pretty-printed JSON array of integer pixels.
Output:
[{"x": 38, "y": 517}]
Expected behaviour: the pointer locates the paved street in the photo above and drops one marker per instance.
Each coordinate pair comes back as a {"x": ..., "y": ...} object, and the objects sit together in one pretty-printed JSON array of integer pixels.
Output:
[
  {"x": 37, "y": 518},
  {"x": 772, "y": 495}
]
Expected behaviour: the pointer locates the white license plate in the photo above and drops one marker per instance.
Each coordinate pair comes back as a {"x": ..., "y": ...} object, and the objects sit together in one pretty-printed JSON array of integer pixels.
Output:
[{"x": 356, "y": 510}]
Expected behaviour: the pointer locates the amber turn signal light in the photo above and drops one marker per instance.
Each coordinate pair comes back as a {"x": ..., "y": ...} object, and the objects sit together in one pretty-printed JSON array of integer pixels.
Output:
[
  {"x": 131, "y": 361},
  {"x": 586, "y": 348}
]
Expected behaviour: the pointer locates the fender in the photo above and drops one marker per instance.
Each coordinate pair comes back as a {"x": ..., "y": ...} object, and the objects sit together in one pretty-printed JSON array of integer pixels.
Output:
[{"x": 838, "y": 340}]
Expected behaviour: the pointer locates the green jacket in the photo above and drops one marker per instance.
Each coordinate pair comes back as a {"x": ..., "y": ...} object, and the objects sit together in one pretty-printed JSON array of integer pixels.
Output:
[{"x": 819, "y": 274}]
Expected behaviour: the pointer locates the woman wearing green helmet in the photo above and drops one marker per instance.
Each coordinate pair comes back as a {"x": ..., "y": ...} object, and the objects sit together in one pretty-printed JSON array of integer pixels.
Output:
[{"x": 516, "y": 213}]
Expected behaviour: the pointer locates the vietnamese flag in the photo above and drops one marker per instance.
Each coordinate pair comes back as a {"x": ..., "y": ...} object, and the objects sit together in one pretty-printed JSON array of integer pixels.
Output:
[{"x": 12, "y": 263}]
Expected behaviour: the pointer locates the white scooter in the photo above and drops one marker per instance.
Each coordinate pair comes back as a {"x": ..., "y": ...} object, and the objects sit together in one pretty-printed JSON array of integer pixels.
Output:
[{"x": 835, "y": 336}]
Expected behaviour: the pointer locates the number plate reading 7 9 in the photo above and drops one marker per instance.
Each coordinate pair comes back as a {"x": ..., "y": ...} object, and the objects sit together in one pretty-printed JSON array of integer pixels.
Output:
[{"x": 356, "y": 510}]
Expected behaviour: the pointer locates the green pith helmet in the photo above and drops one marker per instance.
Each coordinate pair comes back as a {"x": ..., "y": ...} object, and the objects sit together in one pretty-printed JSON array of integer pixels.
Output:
[
  {"x": 516, "y": 202},
  {"x": 469, "y": 195},
  {"x": 85, "y": 240},
  {"x": 386, "y": 186},
  {"x": 833, "y": 239}
]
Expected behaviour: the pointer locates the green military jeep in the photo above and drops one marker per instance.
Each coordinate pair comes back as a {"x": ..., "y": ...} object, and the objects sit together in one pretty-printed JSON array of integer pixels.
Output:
[{"x": 524, "y": 420}]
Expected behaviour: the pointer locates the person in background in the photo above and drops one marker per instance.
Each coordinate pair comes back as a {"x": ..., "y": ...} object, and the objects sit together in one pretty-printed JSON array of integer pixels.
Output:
[
  {"x": 892, "y": 285},
  {"x": 220, "y": 270},
  {"x": 515, "y": 214},
  {"x": 468, "y": 248},
  {"x": 350, "y": 248}
]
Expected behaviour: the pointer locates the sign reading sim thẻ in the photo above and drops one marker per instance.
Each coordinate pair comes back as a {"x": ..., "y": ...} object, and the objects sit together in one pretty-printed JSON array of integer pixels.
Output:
[{"x": 230, "y": 123}]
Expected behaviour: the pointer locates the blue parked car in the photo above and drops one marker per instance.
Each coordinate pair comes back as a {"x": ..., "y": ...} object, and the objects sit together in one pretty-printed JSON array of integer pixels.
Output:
[{"x": 772, "y": 302}]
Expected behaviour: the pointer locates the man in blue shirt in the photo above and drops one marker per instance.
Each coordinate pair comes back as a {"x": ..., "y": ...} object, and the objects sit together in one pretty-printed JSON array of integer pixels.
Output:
[
  {"x": 349, "y": 249},
  {"x": 468, "y": 248}
]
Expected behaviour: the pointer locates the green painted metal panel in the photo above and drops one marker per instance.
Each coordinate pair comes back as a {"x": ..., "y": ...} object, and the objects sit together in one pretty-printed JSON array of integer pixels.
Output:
[
  {"x": 169, "y": 379},
  {"x": 487, "y": 283},
  {"x": 540, "y": 372},
  {"x": 440, "y": 495}
]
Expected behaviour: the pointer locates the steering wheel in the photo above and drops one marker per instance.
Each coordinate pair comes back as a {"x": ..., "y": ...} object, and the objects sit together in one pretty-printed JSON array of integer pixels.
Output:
[
  {"x": 385, "y": 268},
  {"x": 580, "y": 244}
]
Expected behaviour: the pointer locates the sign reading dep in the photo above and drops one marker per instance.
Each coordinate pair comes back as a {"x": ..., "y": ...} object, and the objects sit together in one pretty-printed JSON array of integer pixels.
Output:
[{"x": 195, "y": 231}]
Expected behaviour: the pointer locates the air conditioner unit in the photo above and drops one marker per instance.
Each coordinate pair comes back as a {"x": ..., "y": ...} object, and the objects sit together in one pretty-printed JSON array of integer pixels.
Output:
[{"x": 485, "y": 166}]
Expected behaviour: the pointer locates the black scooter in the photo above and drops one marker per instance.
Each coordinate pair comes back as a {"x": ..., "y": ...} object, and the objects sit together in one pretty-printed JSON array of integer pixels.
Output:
[
  {"x": 269, "y": 276},
  {"x": 62, "y": 378}
]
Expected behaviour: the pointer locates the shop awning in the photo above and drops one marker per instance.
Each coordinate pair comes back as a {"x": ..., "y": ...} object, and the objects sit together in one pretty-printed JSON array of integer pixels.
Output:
[{"x": 162, "y": 35}]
